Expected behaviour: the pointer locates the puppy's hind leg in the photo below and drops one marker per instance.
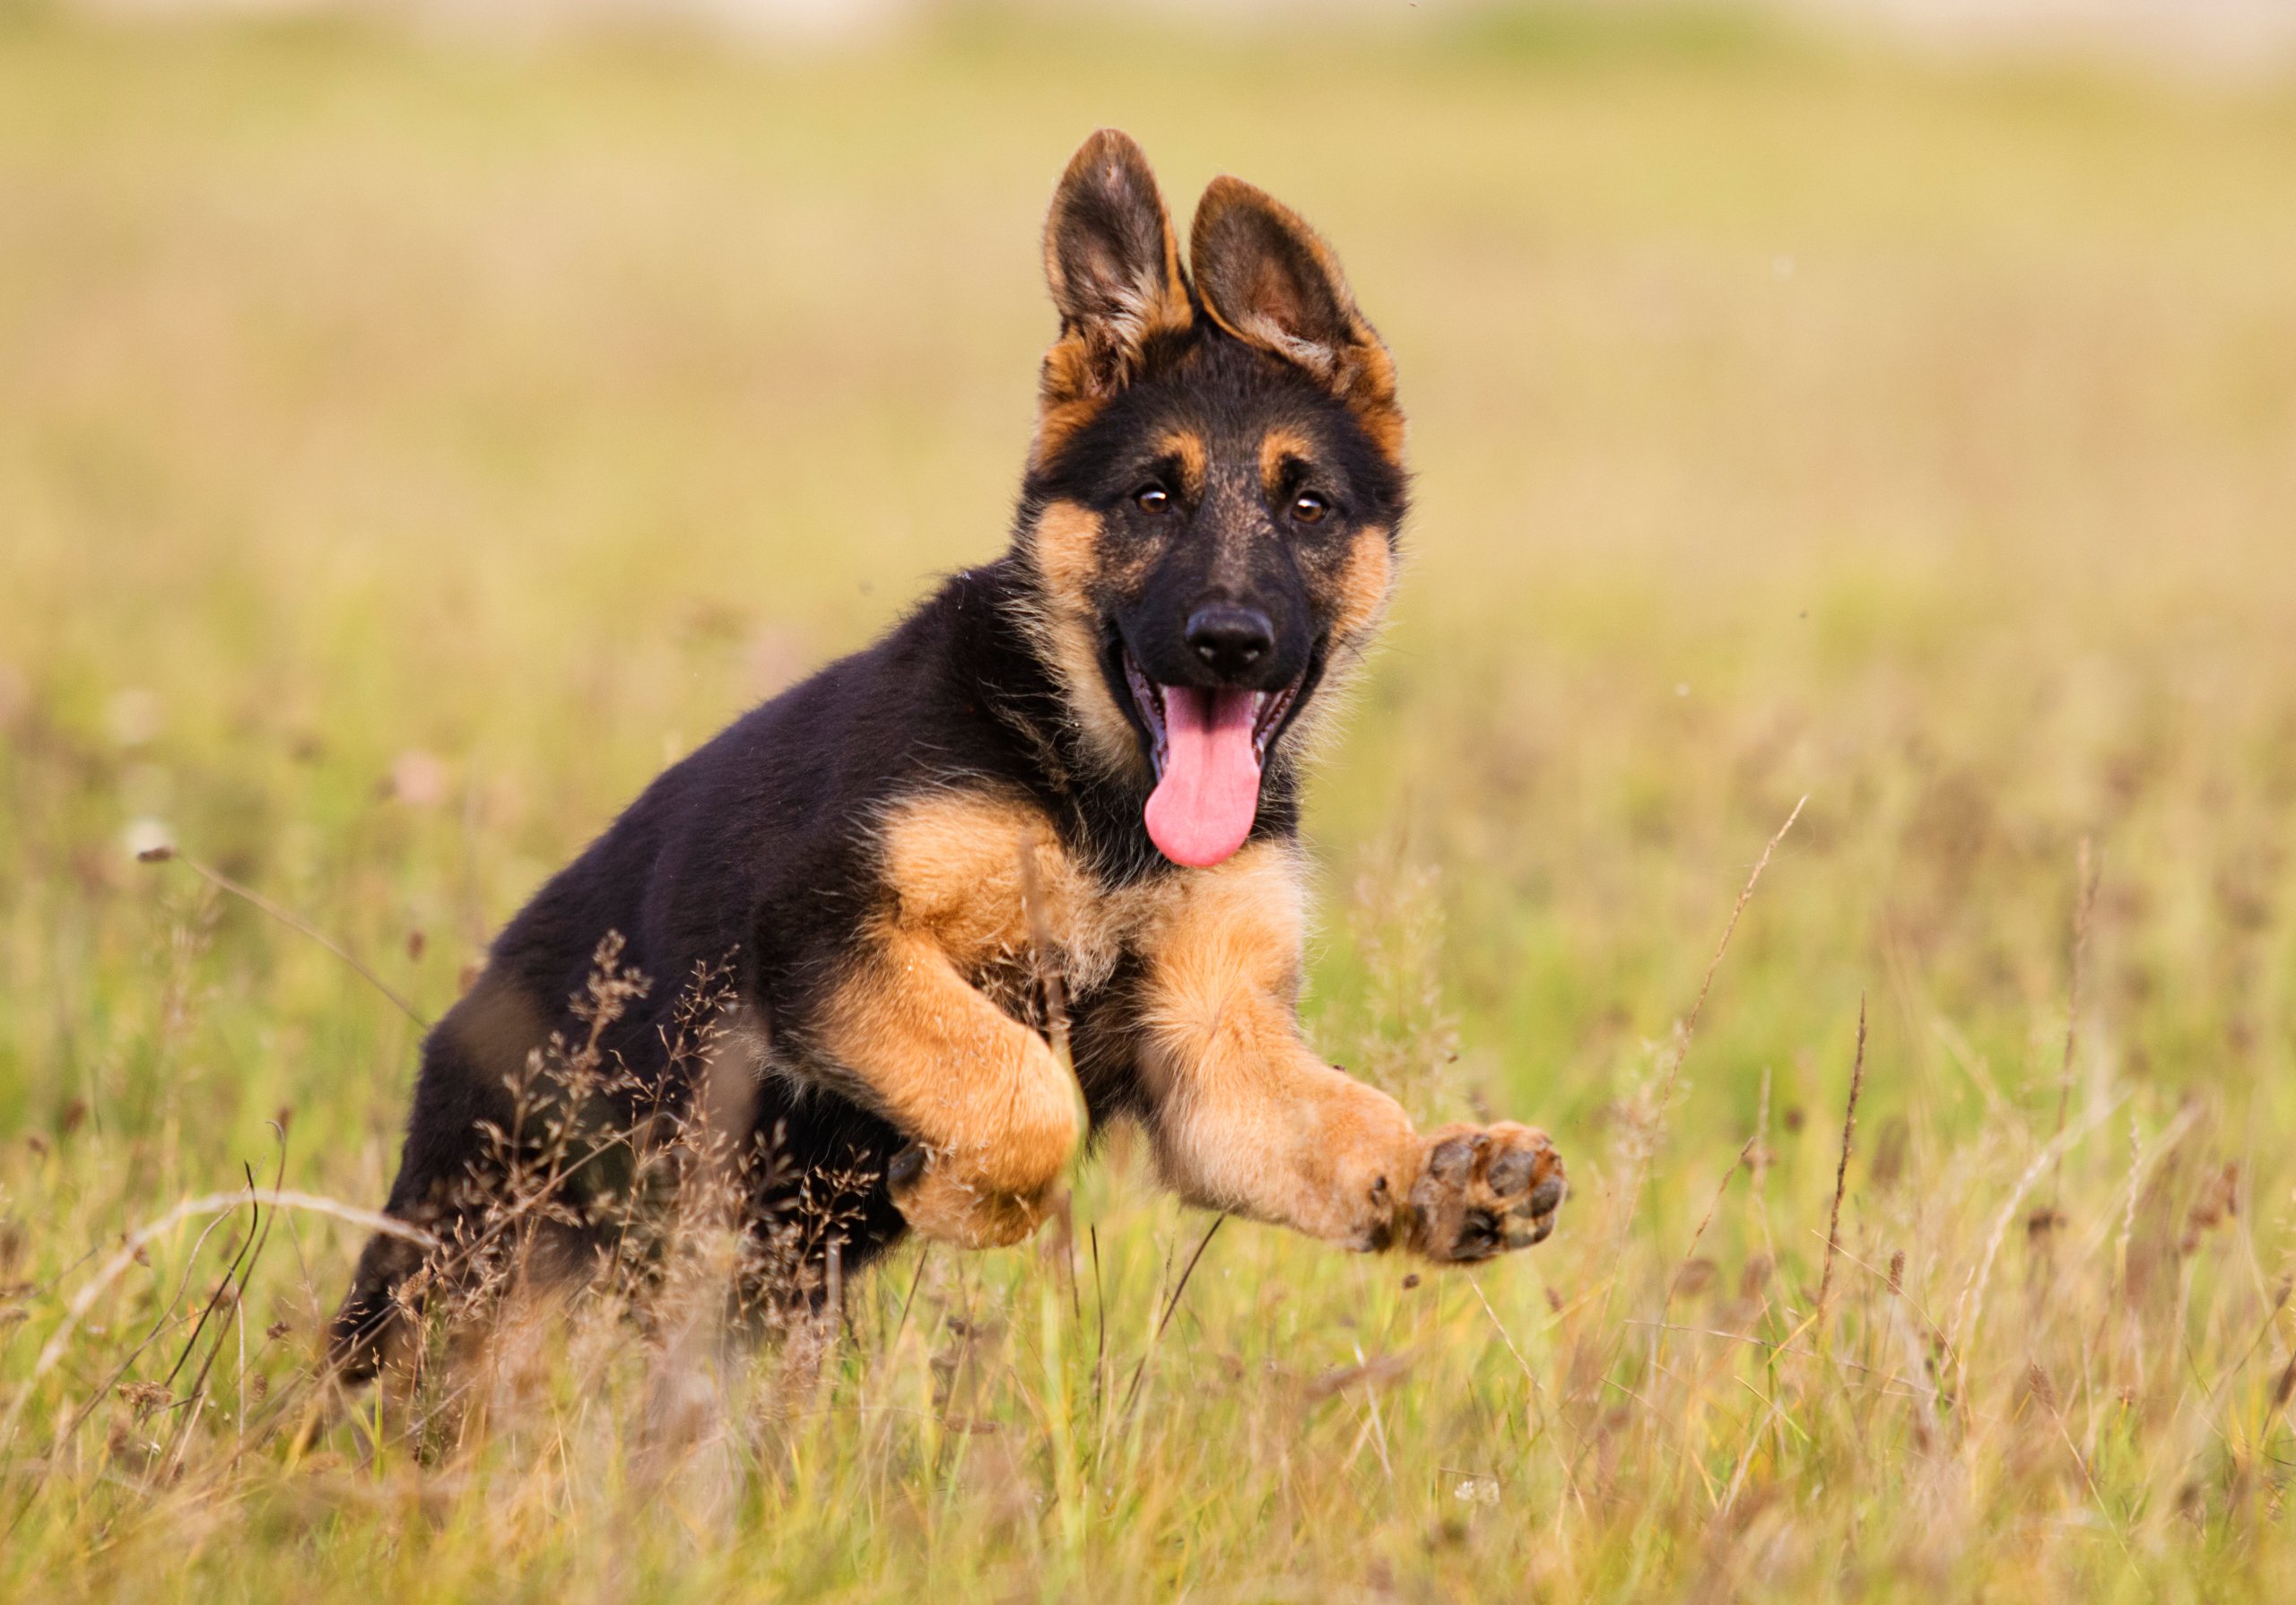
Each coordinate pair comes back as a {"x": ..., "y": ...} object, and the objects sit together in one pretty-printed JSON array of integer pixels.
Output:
[{"x": 449, "y": 1172}]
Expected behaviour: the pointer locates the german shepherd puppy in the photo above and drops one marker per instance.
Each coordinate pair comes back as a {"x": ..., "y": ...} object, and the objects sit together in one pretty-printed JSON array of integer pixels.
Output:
[{"x": 1070, "y": 774}]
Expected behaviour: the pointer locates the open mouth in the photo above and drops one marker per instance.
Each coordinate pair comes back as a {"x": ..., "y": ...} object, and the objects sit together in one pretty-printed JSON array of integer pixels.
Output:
[{"x": 1208, "y": 748}]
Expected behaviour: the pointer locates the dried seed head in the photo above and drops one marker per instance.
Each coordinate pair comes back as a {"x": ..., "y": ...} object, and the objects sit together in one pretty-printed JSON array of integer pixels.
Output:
[
  {"x": 145, "y": 1396},
  {"x": 2037, "y": 1381}
]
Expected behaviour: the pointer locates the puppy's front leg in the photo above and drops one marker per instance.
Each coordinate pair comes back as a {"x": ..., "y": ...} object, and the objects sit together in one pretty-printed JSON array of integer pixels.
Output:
[
  {"x": 994, "y": 1116},
  {"x": 1248, "y": 1119}
]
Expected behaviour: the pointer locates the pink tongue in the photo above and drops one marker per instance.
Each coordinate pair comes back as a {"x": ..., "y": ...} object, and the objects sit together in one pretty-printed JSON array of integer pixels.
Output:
[{"x": 1202, "y": 808}]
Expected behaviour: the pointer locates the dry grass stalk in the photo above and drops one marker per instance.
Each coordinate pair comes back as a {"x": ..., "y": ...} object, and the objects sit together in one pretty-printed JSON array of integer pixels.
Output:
[
  {"x": 1746, "y": 1157},
  {"x": 2090, "y": 868},
  {"x": 1132, "y": 1391},
  {"x": 1706, "y": 984},
  {"x": 1651, "y": 1120},
  {"x": 1842, "y": 1166},
  {"x": 132, "y": 1250},
  {"x": 1969, "y": 1310},
  {"x": 292, "y": 921}
]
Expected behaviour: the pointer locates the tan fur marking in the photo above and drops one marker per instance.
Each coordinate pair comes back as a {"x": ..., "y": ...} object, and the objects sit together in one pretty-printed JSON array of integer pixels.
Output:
[
  {"x": 1354, "y": 595},
  {"x": 1066, "y": 549},
  {"x": 1066, "y": 544},
  {"x": 1000, "y": 1118},
  {"x": 996, "y": 1112},
  {"x": 1276, "y": 447},
  {"x": 1365, "y": 581},
  {"x": 998, "y": 1115},
  {"x": 1250, "y": 1120},
  {"x": 1195, "y": 458},
  {"x": 1372, "y": 397},
  {"x": 1066, "y": 403},
  {"x": 953, "y": 863}
]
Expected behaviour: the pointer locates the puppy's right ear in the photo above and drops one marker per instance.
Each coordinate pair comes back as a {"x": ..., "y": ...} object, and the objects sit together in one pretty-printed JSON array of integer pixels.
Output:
[
  {"x": 1113, "y": 263},
  {"x": 1270, "y": 280}
]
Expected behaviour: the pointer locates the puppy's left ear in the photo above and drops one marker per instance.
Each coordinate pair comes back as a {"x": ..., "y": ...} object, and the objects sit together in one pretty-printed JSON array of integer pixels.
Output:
[{"x": 1269, "y": 280}]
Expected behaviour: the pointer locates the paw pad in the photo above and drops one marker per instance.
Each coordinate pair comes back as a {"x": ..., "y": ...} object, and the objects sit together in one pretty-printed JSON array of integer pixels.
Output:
[{"x": 1484, "y": 1189}]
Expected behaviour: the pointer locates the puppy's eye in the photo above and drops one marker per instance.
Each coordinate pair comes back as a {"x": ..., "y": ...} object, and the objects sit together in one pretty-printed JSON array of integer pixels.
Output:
[
  {"x": 1151, "y": 498},
  {"x": 1308, "y": 507}
]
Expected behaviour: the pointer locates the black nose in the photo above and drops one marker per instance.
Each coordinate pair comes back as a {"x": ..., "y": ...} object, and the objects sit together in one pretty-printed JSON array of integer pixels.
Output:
[{"x": 1229, "y": 637}]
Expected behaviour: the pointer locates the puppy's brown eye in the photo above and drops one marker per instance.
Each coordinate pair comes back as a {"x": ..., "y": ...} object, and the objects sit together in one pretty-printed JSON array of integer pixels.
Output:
[
  {"x": 1308, "y": 507},
  {"x": 1151, "y": 498}
]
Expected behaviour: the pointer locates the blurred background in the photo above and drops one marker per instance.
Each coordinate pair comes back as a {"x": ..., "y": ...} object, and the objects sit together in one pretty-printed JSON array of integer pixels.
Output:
[
  {"x": 418, "y": 423},
  {"x": 2240, "y": 33}
]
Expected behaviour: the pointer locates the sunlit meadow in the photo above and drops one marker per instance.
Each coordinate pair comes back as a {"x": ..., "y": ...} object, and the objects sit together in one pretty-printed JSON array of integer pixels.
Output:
[{"x": 408, "y": 445}]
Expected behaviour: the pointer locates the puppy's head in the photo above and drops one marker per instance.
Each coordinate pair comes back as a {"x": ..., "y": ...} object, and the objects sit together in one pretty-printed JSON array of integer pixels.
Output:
[{"x": 1215, "y": 492}]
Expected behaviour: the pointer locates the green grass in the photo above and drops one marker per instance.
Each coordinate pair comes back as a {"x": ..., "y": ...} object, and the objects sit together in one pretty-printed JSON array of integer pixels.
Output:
[{"x": 405, "y": 449}]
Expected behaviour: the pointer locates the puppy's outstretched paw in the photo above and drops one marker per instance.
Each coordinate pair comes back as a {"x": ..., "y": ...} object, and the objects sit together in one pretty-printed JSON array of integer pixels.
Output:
[{"x": 1484, "y": 1189}]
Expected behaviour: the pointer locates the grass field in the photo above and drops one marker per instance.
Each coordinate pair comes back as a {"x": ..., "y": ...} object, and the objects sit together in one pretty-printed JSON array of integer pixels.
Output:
[{"x": 405, "y": 448}]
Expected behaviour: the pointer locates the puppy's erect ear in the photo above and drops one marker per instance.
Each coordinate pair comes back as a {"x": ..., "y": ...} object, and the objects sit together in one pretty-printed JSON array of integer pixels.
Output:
[
  {"x": 1268, "y": 279},
  {"x": 1114, "y": 266}
]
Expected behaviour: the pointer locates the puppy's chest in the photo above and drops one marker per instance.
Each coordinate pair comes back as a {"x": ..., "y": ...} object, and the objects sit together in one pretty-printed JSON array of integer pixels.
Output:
[
  {"x": 1086, "y": 944},
  {"x": 987, "y": 881}
]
